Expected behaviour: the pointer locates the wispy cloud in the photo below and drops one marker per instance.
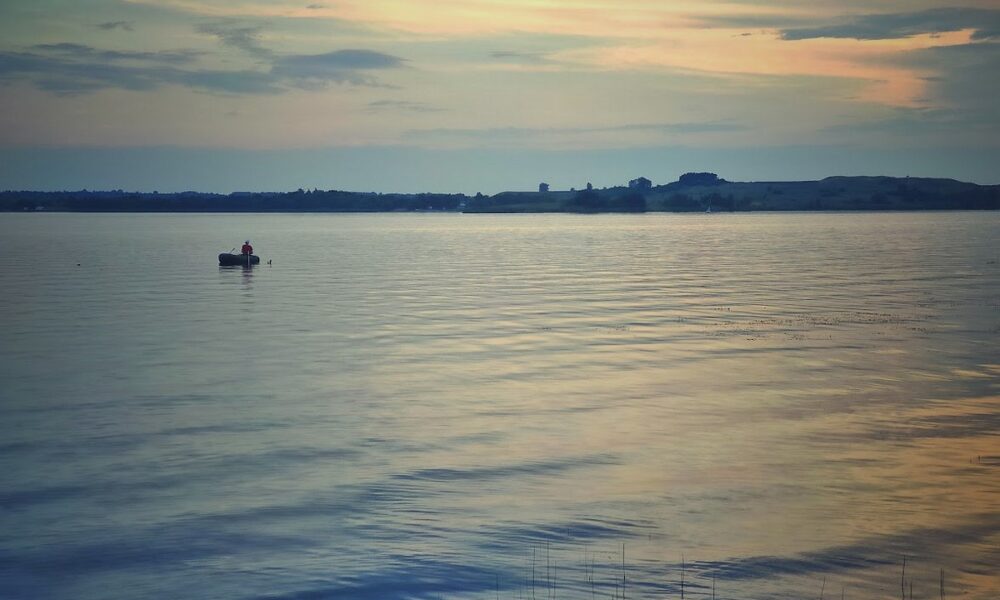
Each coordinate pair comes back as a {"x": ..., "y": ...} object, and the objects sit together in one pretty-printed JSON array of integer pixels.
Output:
[
  {"x": 632, "y": 133},
  {"x": 402, "y": 106},
  {"x": 593, "y": 18},
  {"x": 342, "y": 66},
  {"x": 520, "y": 57},
  {"x": 63, "y": 76},
  {"x": 965, "y": 80},
  {"x": 908, "y": 122},
  {"x": 319, "y": 65},
  {"x": 242, "y": 37},
  {"x": 69, "y": 69},
  {"x": 703, "y": 127},
  {"x": 756, "y": 21},
  {"x": 986, "y": 24},
  {"x": 82, "y": 53},
  {"x": 111, "y": 25}
]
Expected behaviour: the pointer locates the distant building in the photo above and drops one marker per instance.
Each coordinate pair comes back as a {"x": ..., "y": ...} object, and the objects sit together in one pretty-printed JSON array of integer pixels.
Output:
[
  {"x": 642, "y": 184},
  {"x": 543, "y": 187}
]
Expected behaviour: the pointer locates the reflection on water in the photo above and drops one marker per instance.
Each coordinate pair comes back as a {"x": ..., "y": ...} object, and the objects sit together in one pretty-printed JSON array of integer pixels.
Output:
[
  {"x": 227, "y": 273},
  {"x": 438, "y": 405}
]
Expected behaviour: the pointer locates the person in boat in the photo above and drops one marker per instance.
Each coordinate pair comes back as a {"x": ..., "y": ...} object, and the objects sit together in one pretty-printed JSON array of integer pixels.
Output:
[{"x": 247, "y": 248}]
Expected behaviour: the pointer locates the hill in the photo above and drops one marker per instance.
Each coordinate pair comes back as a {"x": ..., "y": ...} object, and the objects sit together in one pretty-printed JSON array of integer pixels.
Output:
[
  {"x": 692, "y": 192},
  {"x": 706, "y": 191}
]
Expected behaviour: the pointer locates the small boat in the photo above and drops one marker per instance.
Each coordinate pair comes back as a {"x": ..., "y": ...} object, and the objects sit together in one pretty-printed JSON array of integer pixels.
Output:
[{"x": 227, "y": 259}]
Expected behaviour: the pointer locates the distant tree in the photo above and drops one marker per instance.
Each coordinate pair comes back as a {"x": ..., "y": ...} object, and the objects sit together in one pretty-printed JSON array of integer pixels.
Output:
[
  {"x": 632, "y": 202},
  {"x": 700, "y": 179},
  {"x": 719, "y": 202},
  {"x": 586, "y": 201},
  {"x": 543, "y": 187},
  {"x": 641, "y": 184},
  {"x": 682, "y": 202}
]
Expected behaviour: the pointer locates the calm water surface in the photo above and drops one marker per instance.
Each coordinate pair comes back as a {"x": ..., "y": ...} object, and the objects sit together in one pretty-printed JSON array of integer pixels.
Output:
[{"x": 438, "y": 406}]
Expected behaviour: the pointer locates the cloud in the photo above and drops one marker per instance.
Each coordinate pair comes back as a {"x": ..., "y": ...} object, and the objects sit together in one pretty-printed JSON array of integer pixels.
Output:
[
  {"x": 701, "y": 127},
  {"x": 310, "y": 65},
  {"x": 316, "y": 6},
  {"x": 70, "y": 69},
  {"x": 989, "y": 33},
  {"x": 643, "y": 133},
  {"x": 111, "y": 25},
  {"x": 754, "y": 21},
  {"x": 242, "y": 37},
  {"x": 965, "y": 79},
  {"x": 65, "y": 76},
  {"x": 909, "y": 122},
  {"x": 401, "y": 106},
  {"x": 341, "y": 66},
  {"x": 231, "y": 82},
  {"x": 521, "y": 57},
  {"x": 80, "y": 53},
  {"x": 985, "y": 22}
]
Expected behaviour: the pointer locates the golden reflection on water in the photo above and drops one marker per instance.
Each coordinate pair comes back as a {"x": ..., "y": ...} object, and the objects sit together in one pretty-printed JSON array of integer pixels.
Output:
[
  {"x": 722, "y": 409},
  {"x": 780, "y": 398}
]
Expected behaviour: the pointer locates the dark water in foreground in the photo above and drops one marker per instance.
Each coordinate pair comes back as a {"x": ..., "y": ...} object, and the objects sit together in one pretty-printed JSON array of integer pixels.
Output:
[{"x": 415, "y": 406}]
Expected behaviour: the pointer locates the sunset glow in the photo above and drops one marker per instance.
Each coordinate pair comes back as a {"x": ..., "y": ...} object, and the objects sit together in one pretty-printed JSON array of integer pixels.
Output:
[{"x": 492, "y": 74}]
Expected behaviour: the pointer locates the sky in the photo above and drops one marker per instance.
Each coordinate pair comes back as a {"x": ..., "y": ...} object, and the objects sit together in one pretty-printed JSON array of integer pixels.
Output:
[{"x": 491, "y": 95}]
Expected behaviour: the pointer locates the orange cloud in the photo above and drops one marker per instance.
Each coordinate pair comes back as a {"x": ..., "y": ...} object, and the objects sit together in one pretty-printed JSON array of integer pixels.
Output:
[
  {"x": 598, "y": 18},
  {"x": 719, "y": 51},
  {"x": 634, "y": 34}
]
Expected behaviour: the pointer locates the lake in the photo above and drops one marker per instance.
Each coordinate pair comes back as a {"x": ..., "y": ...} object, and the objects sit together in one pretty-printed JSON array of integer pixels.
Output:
[{"x": 523, "y": 406}]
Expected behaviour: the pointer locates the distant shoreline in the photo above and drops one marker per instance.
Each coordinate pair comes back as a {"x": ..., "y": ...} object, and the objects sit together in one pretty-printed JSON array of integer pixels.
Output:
[{"x": 693, "y": 192}]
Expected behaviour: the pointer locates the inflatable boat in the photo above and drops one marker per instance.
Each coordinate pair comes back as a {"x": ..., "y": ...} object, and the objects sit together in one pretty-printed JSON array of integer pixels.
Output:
[{"x": 227, "y": 259}]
